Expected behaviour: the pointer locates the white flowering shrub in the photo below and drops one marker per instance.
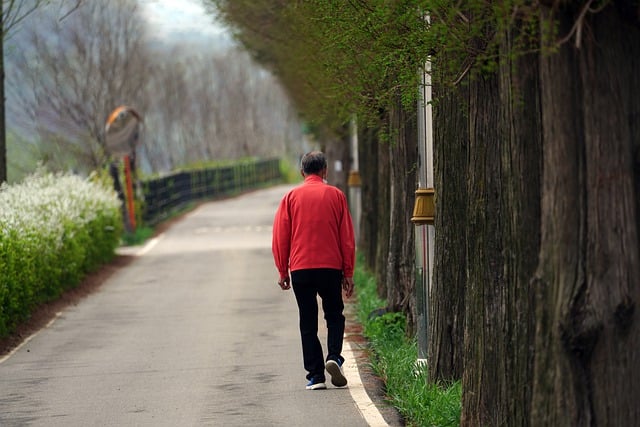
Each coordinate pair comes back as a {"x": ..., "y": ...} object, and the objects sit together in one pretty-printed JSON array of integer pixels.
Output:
[{"x": 54, "y": 228}]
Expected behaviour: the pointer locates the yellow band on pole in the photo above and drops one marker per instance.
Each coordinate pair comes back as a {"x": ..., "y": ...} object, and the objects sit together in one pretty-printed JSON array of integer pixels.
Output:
[{"x": 424, "y": 209}]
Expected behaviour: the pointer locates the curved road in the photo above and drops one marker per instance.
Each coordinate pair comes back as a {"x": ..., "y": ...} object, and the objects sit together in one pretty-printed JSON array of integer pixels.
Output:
[{"x": 195, "y": 332}]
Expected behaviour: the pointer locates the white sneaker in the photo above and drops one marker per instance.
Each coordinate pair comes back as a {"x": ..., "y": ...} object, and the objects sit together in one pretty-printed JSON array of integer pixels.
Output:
[
  {"x": 314, "y": 385},
  {"x": 337, "y": 375}
]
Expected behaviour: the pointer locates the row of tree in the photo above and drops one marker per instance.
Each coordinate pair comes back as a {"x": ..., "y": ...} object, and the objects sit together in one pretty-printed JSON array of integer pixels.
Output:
[
  {"x": 68, "y": 67},
  {"x": 537, "y": 138}
]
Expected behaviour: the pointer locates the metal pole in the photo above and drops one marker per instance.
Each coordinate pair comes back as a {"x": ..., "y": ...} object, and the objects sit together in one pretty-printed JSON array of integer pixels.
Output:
[
  {"x": 424, "y": 229},
  {"x": 420, "y": 238},
  {"x": 129, "y": 194},
  {"x": 354, "y": 182},
  {"x": 430, "y": 229}
]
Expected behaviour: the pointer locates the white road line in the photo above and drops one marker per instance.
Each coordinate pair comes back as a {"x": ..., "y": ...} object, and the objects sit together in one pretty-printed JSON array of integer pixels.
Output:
[
  {"x": 146, "y": 248},
  {"x": 29, "y": 338},
  {"x": 359, "y": 395},
  {"x": 149, "y": 245}
]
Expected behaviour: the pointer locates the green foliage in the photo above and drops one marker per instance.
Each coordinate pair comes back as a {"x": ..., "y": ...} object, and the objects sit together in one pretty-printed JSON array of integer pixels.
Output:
[
  {"x": 387, "y": 328},
  {"x": 53, "y": 230},
  {"x": 290, "y": 172},
  {"x": 220, "y": 163},
  {"x": 139, "y": 236},
  {"x": 335, "y": 58},
  {"x": 343, "y": 57},
  {"x": 368, "y": 299},
  {"x": 394, "y": 357}
]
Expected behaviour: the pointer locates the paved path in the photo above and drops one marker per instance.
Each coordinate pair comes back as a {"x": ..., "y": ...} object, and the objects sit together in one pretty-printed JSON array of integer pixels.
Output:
[{"x": 194, "y": 332}]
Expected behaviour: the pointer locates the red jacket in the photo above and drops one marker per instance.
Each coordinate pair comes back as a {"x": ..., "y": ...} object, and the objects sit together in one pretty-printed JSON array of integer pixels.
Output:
[{"x": 313, "y": 229}]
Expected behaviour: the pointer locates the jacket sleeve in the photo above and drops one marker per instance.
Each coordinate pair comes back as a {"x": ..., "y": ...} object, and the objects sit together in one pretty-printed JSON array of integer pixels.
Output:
[
  {"x": 281, "y": 238},
  {"x": 347, "y": 240}
]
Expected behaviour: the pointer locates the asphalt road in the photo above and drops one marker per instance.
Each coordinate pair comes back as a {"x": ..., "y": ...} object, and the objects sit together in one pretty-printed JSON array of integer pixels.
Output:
[{"x": 194, "y": 332}]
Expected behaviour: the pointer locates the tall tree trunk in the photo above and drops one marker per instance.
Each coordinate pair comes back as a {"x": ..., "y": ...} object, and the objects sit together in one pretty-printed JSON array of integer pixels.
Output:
[
  {"x": 383, "y": 182},
  {"x": 521, "y": 166},
  {"x": 483, "y": 381},
  {"x": 401, "y": 258},
  {"x": 338, "y": 152},
  {"x": 370, "y": 220},
  {"x": 587, "y": 334},
  {"x": 503, "y": 241},
  {"x": 447, "y": 294}
]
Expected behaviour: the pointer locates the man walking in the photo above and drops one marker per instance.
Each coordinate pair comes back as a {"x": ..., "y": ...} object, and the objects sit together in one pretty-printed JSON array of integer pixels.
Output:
[{"x": 314, "y": 251}]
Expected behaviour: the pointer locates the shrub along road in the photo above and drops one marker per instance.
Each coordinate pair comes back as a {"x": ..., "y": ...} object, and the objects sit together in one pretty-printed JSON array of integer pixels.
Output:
[{"x": 195, "y": 331}]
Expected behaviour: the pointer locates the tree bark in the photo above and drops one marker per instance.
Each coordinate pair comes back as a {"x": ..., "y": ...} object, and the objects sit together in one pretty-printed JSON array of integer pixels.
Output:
[
  {"x": 588, "y": 280},
  {"x": 521, "y": 165},
  {"x": 337, "y": 150},
  {"x": 483, "y": 380},
  {"x": 401, "y": 281},
  {"x": 370, "y": 223},
  {"x": 383, "y": 188},
  {"x": 447, "y": 294},
  {"x": 503, "y": 241}
]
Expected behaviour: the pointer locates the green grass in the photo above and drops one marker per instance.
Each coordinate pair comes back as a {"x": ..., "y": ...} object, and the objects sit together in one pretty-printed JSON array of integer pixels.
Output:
[
  {"x": 393, "y": 359},
  {"x": 138, "y": 237},
  {"x": 145, "y": 231}
]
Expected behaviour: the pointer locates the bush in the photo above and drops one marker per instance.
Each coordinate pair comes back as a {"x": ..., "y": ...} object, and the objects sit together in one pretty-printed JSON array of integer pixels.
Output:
[
  {"x": 53, "y": 230},
  {"x": 393, "y": 358}
]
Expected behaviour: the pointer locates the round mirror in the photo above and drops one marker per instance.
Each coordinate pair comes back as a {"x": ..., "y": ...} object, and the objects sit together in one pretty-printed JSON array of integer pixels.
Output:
[{"x": 121, "y": 131}]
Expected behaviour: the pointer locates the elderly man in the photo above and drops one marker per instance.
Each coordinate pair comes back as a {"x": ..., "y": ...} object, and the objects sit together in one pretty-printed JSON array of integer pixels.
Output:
[{"x": 314, "y": 251}]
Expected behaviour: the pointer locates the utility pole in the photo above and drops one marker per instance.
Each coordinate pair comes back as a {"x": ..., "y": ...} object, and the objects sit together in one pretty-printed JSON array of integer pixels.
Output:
[
  {"x": 424, "y": 212},
  {"x": 354, "y": 182}
]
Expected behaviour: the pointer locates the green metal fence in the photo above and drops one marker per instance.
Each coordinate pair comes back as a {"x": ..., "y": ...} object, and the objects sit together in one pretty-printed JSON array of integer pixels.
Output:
[{"x": 168, "y": 193}]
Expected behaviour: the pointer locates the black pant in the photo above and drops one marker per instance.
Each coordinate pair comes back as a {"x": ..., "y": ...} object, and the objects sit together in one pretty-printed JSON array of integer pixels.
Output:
[{"x": 307, "y": 285}]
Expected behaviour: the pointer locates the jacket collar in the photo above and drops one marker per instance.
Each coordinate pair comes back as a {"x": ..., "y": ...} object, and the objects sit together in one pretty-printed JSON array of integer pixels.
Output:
[{"x": 313, "y": 178}]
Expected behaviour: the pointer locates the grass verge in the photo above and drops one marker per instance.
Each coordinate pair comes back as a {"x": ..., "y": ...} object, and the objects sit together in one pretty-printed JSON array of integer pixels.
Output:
[
  {"x": 138, "y": 237},
  {"x": 393, "y": 358}
]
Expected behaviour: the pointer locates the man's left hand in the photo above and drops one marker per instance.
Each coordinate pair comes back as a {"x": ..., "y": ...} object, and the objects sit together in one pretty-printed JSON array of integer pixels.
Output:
[{"x": 348, "y": 285}]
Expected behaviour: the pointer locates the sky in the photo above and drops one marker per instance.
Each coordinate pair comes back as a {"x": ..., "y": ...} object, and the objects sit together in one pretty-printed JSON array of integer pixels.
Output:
[{"x": 183, "y": 19}]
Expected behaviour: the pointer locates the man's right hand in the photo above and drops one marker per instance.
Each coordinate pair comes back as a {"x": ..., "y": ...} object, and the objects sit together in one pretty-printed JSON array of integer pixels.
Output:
[
  {"x": 348, "y": 285},
  {"x": 285, "y": 283}
]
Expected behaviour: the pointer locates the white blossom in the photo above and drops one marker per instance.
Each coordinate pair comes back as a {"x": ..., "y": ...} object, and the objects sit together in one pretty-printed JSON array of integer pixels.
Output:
[{"x": 45, "y": 206}]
